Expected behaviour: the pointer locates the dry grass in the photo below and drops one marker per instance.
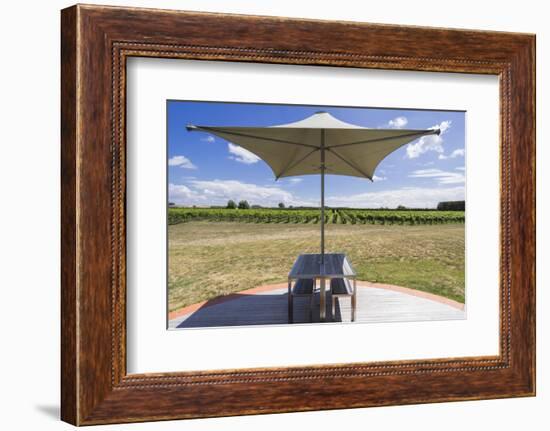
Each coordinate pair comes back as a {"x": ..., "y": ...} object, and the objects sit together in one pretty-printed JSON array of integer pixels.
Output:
[{"x": 209, "y": 259}]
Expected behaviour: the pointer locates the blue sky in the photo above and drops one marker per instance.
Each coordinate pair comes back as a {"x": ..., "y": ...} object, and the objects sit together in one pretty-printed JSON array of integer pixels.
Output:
[{"x": 206, "y": 170}]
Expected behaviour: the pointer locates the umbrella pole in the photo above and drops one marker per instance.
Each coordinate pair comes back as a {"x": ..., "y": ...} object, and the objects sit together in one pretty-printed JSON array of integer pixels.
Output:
[{"x": 322, "y": 196}]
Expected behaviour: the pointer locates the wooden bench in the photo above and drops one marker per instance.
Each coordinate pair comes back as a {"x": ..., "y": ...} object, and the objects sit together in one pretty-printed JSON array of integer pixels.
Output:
[
  {"x": 342, "y": 287},
  {"x": 302, "y": 287}
]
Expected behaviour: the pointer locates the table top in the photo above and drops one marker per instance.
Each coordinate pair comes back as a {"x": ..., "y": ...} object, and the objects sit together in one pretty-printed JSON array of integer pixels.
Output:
[{"x": 309, "y": 266}]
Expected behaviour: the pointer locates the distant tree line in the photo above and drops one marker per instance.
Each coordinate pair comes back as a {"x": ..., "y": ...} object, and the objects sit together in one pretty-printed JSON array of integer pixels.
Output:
[
  {"x": 242, "y": 205},
  {"x": 451, "y": 206}
]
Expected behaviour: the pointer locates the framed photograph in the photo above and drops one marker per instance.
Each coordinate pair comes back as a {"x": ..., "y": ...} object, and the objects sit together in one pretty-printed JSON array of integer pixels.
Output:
[
  {"x": 323, "y": 214},
  {"x": 244, "y": 250}
]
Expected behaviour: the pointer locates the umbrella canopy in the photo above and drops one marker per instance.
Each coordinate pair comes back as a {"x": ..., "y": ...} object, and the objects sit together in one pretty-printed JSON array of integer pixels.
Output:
[
  {"x": 318, "y": 144},
  {"x": 295, "y": 148}
]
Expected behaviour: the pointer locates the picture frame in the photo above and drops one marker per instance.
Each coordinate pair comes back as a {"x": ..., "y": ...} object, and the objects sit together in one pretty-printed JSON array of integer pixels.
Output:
[{"x": 96, "y": 41}]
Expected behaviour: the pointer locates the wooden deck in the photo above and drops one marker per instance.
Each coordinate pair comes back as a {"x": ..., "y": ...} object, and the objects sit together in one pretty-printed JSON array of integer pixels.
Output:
[{"x": 269, "y": 307}]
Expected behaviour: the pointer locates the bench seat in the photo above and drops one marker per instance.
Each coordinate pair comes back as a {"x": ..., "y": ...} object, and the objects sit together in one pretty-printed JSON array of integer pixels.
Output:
[
  {"x": 341, "y": 287},
  {"x": 303, "y": 286}
]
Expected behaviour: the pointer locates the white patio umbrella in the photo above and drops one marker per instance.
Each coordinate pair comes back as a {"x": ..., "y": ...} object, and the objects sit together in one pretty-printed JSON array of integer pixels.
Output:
[{"x": 318, "y": 144}]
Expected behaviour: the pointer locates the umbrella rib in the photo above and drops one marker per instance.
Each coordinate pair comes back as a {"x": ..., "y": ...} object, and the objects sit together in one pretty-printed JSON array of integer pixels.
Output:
[
  {"x": 293, "y": 164},
  {"x": 244, "y": 135},
  {"x": 350, "y": 164},
  {"x": 387, "y": 138}
]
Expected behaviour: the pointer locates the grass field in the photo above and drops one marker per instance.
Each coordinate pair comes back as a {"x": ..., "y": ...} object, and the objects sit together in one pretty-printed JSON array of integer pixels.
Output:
[{"x": 212, "y": 258}]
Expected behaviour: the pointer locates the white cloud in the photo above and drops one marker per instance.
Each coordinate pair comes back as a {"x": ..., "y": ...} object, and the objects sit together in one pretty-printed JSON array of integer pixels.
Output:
[
  {"x": 208, "y": 138},
  {"x": 442, "y": 177},
  {"x": 218, "y": 192},
  {"x": 457, "y": 153},
  {"x": 241, "y": 154},
  {"x": 461, "y": 168},
  {"x": 429, "y": 142},
  {"x": 180, "y": 194},
  {"x": 376, "y": 178},
  {"x": 295, "y": 180},
  {"x": 182, "y": 162},
  {"x": 454, "y": 154},
  {"x": 443, "y": 126},
  {"x": 411, "y": 197},
  {"x": 397, "y": 123}
]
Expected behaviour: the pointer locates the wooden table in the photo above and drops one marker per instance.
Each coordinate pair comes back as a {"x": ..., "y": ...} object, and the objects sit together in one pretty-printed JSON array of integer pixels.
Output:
[{"x": 336, "y": 265}]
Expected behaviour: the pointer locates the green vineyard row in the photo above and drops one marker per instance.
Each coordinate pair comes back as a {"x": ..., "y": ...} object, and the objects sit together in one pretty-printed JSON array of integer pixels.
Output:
[{"x": 335, "y": 216}]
